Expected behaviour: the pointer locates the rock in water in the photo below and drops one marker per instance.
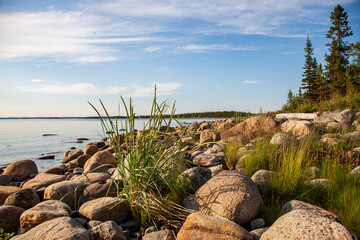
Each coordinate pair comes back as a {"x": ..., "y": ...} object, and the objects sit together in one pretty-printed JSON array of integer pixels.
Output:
[
  {"x": 231, "y": 195},
  {"x": 20, "y": 170}
]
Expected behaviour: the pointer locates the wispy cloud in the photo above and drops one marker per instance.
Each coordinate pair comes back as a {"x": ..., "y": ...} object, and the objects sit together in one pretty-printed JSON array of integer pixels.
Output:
[
  {"x": 36, "y": 80},
  {"x": 253, "y": 82},
  {"x": 152, "y": 49},
  {"x": 163, "y": 89},
  {"x": 73, "y": 89},
  {"x": 87, "y": 89},
  {"x": 215, "y": 47}
]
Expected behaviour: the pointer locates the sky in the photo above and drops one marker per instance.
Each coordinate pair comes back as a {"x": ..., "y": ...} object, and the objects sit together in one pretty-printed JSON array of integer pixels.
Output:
[{"x": 206, "y": 55}]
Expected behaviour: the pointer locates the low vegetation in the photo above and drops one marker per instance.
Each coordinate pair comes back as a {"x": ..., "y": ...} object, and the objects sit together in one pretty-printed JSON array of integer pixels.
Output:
[{"x": 295, "y": 165}]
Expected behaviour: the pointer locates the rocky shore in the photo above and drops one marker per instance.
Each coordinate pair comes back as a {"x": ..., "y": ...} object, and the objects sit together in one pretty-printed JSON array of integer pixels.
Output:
[{"x": 78, "y": 199}]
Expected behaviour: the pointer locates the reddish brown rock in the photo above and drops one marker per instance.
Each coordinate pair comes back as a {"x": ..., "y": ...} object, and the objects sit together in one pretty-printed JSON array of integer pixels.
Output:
[
  {"x": 204, "y": 227},
  {"x": 208, "y": 136},
  {"x": 55, "y": 170},
  {"x": 102, "y": 157},
  {"x": 21, "y": 170},
  {"x": 25, "y": 198},
  {"x": 43, "y": 180},
  {"x": 5, "y": 191},
  {"x": 9, "y": 218},
  {"x": 80, "y": 161},
  {"x": 90, "y": 149}
]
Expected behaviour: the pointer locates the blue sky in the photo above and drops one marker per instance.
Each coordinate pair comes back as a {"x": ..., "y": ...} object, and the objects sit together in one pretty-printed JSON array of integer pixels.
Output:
[{"x": 212, "y": 55}]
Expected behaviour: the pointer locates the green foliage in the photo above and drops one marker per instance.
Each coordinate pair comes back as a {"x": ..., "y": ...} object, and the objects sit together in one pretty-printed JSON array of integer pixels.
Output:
[
  {"x": 292, "y": 164},
  {"x": 337, "y": 59},
  {"x": 150, "y": 165},
  {"x": 309, "y": 81},
  {"x": 5, "y": 235}
]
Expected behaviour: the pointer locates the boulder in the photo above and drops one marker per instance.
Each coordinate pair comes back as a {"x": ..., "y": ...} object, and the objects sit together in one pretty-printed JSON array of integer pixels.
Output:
[
  {"x": 296, "y": 204},
  {"x": 98, "y": 190},
  {"x": 208, "y": 160},
  {"x": 102, "y": 157},
  {"x": 9, "y": 218},
  {"x": 200, "y": 226},
  {"x": 355, "y": 171},
  {"x": 304, "y": 224},
  {"x": 194, "y": 178},
  {"x": 347, "y": 116},
  {"x": 353, "y": 135},
  {"x": 160, "y": 235},
  {"x": 231, "y": 195},
  {"x": 97, "y": 167},
  {"x": 43, "y": 180},
  {"x": 105, "y": 209},
  {"x": 25, "y": 198},
  {"x": 297, "y": 116},
  {"x": 55, "y": 170},
  {"x": 43, "y": 212},
  {"x": 117, "y": 140},
  {"x": 92, "y": 177},
  {"x": 20, "y": 170},
  {"x": 90, "y": 149},
  {"x": 108, "y": 230},
  {"x": 208, "y": 136},
  {"x": 262, "y": 179},
  {"x": 297, "y": 128},
  {"x": 216, "y": 169},
  {"x": 72, "y": 155},
  {"x": 6, "y": 191},
  {"x": 257, "y": 233},
  {"x": 280, "y": 138},
  {"x": 225, "y": 126},
  {"x": 254, "y": 125},
  {"x": 257, "y": 223},
  {"x": 80, "y": 161},
  {"x": 65, "y": 191},
  {"x": 5, "y": 180},
  {"x": 58, "y": 228}
]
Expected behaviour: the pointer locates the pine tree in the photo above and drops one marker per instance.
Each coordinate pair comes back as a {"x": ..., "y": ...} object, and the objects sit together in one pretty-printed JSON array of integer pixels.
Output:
[
  {"x": 322, "y": 89},
  {"x": 309, "y": 75},
  {"x": 353, "y": 70},
  {"x": 290, "y": 99},
  {"x": 337, "y": 59}
]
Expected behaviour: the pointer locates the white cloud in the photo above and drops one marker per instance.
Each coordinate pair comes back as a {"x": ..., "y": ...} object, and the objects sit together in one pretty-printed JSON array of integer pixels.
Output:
[
  {"x": 87, "y": 89},
  {"x": 215, "y": 47},
  {"x": 73, "y": 89},
  {"x": 152, "y": 49},
  {"x": 116, "y": 90},
  {"x": 247, "y": 82},
  {"x": 36, "y": 80},
  {"x": 162, "y": 89}
]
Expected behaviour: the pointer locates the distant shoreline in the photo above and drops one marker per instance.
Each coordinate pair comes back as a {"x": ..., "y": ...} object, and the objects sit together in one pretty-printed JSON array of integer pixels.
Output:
[{"x": 219, "y": 114}]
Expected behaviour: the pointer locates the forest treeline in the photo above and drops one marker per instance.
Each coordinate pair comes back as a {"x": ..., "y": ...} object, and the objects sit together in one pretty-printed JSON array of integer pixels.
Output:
[{"x": 336, "y": 85}]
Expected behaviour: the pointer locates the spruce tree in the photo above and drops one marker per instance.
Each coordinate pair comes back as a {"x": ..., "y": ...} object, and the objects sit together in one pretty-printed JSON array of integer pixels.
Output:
[
  {"x": 309, "y": 75},
  {"x": 290, "y": 100},
  {"x": 353, "y": 71},
  {"x": 337, "y": 59},
  {"x": 322, "y": 89}
]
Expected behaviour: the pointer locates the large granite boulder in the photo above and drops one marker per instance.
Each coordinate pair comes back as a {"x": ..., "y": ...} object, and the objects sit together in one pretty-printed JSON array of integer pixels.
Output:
[
  {"x": 6, "y": 191},
  {"x": 281, "y": 138},
  {"x": 102, "y": 157},
  {"x": 297, "y": 116},
  {"x": 208, "y": 136},
  {"x": 200, "y": 226},
  {"x": 43, "y": 180},
  {"x": 64, "y": 228},
  {"x": 66, "y": 191},
  {"x": 43, "y": 212},
  {"x": 254, "y": 124},
  {"x": 160, "y": 235},
  {"x": 231, "y": 195},
  {"x": 262, "y": 179},
  {"x": 105, "y": 209},
  {"x": 9, "y": 218},
  {"x": 297, "y": 128},
  {"x": 20, "y": 170},
  {"x": 25, "y": 198},
  {"x": 296, "y": 204},
  {"x": 303, "y": 224}
]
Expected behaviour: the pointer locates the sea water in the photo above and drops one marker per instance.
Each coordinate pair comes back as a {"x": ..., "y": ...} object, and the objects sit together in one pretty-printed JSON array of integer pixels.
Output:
[{"x": 24, "y": 138}]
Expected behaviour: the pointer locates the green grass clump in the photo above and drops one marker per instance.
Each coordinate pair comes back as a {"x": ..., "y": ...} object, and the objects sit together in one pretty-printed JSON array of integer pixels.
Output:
[
  {"x": 5, "y": 235},
  {"x": 149, "y": 166},
  {"x": 292, "y": 166}
]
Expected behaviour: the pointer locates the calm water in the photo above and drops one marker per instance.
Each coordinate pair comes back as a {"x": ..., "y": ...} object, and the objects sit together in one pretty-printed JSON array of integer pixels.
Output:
[{"x": 23, "y": 138}]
